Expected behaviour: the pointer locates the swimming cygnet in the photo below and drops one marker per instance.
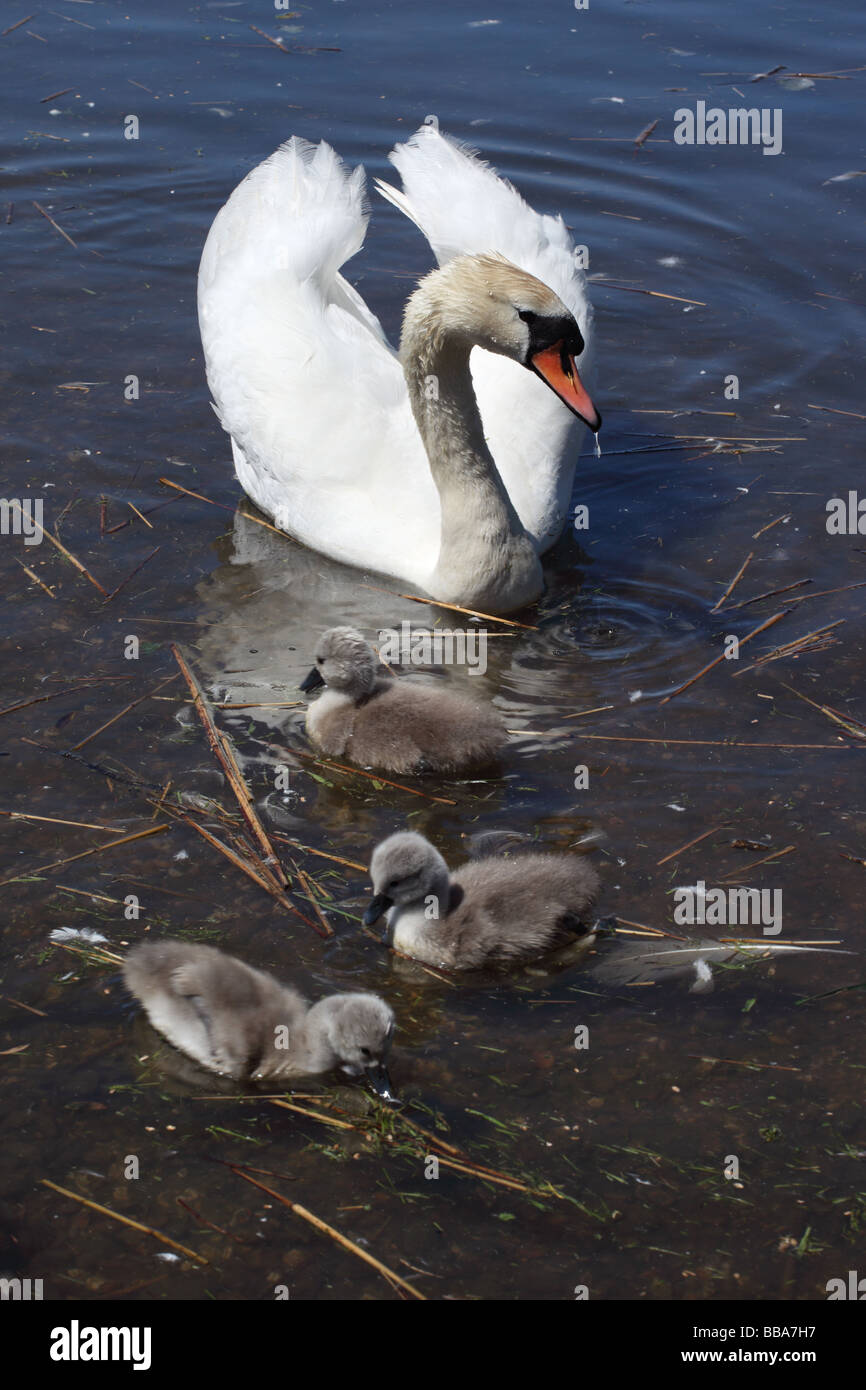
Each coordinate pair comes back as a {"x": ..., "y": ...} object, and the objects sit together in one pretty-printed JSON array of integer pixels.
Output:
[
  {"x": 489, "y": 910},
  {"x": 393, "y": 725},
  {"x": 242, "y": 1023}
]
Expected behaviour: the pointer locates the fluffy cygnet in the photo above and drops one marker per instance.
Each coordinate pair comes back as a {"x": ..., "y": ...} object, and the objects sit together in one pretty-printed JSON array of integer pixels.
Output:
[
  {"x": 393, "y": 725},
  {"x": 490, "y": 910},
  {"x": 243, "y": 1023}
]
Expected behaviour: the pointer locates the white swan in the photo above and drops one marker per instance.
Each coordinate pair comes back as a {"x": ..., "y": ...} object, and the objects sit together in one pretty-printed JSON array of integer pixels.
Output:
[{"x": 381, "y": 461}]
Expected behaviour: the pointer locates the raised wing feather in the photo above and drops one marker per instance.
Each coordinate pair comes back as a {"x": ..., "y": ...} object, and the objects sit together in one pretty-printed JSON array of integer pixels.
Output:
[
  {"x": 301, "y": 374},
  {"x": 463, "y": 207}
]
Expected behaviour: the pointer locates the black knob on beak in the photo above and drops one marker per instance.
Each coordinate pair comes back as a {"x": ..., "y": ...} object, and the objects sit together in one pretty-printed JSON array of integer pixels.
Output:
[
  {"x": 312, "y": 681},
  {"x": 380, "y": 904}
]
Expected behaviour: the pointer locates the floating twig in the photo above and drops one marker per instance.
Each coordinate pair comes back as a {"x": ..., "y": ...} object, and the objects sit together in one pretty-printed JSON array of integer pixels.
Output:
[
  {"x": 111, "y": 844},
  {"x": 157, "y": 507},
  {"x": 16, "y": 25},
  {"x": 222, "y": 506},
  {"x": 87, "y": 893},
  {"x": 373, "y": 776},
  {"x": 455, "y": 607},
  {"x": 708, "y": 742},
  {"x": 224, "y": 754},
  {"x": 123, "y": 583},
  {"x": 126, "y": 1220},
  {"x": 696, "y": 841},
  {"x": 753, "y": 1066},
  {"x": 645, "y": 134},
  {"x": 276, "y": 42},
  {"x": 40, "y": 699},
  {"x": 54, "y": 224},
  {"x": 833, "y": 411},
  {"x": 29, "y": 1007},
  {"x": 822, "y": 593},
  {"x": 140, "y": 515},
  {"x": 62, "y": 548},
  {"x": 82, "y": 824},
  {"x": 831, "y": 714},
  {"x": 35, "y": 577},
  {"x": 633, "y": 289},
  {"x": 335, "y": 1235},
  {"x": 651, "y": 931},
  {"x": 308, "y": 849},
  {"x": 582, "y": 712},
  {"x": 114, "y": 718},
  {"x": 734, "y": 582},
  {"x": 777, "y": 854},
  {"x": 794, "y": 648},
  {"x": 771, "y": 593},
  {"x": 786, "y": 516},
  {"x": 709, "y": 667}
]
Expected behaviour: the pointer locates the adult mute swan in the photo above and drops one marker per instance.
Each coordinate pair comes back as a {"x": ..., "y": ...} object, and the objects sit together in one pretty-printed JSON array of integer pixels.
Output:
[{"x": 449, "y": 466}]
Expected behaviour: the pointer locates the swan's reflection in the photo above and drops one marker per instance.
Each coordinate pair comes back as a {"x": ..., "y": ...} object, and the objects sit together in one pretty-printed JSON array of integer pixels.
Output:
[{"x": 270, "y": 600}]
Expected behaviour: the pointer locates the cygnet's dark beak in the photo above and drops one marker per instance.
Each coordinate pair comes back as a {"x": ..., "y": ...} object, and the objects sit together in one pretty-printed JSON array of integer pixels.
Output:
[
  {"x": 312, "y": 681},
  {"x": 379, "y": 1079},
  {"x": 380, "y": 904}
]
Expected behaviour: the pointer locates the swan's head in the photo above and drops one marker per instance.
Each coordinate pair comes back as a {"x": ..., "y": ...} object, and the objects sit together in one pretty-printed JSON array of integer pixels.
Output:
[
  {"x": 493, "y": 304},
  {"x": 405, "y": 869},
  {"x": 359, "y": 1029},
  {"x": 345, "y": 662}
]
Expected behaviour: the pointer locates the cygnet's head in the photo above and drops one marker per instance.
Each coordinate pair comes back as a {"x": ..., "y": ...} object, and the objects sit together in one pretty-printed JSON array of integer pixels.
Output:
[
  {"x": 497, "y": 306},
  {"x": 344, "y": 662},
  {"x": 404, "y": 869},
  {"x": 360, "y": 1029}
]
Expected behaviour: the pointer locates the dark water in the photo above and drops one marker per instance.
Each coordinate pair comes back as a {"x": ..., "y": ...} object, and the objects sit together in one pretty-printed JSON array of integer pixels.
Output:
[{"x": 635, "y": 1132}]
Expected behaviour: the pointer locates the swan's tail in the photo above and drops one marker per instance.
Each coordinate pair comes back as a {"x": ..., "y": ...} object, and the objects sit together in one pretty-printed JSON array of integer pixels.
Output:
[{"x": 463, "y": 207}]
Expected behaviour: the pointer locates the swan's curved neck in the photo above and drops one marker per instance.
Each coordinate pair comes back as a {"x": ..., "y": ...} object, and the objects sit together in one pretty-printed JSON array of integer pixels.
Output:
[{"x": 486, "y": 559}]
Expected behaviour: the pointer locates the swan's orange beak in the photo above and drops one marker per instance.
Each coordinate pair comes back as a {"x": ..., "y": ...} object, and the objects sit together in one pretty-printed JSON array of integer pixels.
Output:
[{"x": 558, "y": 368}]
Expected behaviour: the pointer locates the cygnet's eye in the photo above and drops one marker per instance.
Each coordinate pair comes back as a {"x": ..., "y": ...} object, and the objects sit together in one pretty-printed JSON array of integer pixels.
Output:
[
  {"x": 529, "y": 316},
  {"x": 366, "y": 1054},
  {"x": 319, "y": 660}
]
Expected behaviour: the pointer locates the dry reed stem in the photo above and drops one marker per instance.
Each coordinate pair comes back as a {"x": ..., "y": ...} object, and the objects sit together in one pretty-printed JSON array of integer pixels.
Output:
[
  {"x": 112, "y": 844},
  {"x": 742, "y": 642},
  {"x": 114, "y": 718},
  {"x": 63, "y": 551},
  {"x": 224, "y": 754},
  {"x": 35, "y": 577},
  {"x": 696, "y": 841},
  {"x": 335, "y": 1235},
  {"x": 126, "y": 1220},
  {"x": 454, "y": 607},
  {"x": 373, "y": 777},
  {"x": 735, "y": 581}
]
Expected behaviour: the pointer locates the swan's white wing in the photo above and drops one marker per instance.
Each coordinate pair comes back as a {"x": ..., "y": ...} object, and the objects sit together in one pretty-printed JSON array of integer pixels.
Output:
[
  {"x": 463, "y": 207},
  {"x": 301, "y": 374}
]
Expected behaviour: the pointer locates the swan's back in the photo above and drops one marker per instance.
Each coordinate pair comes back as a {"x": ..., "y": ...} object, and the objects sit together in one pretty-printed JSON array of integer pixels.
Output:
[
  {"x": 214, "y": 1007},
  {"x": 527, "y": 892},
  {"x": 405, "y": 727},
  {"x": 506, "y": 910}
]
